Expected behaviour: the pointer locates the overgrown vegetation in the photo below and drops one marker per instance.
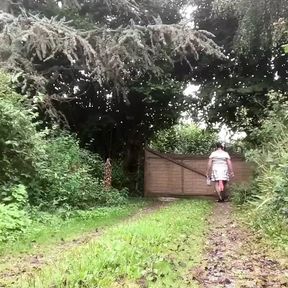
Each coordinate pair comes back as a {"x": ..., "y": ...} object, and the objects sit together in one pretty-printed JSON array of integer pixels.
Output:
[
  {"x": 113, "y": 72},
  {"x": 267, "y": 198},
  {"x": 252, "y": 33},
  {"x": 184, "y": 139},
  {"x": 77, "y": 54},
  {"x": 158, "y": 251},
  {"x": 42, "y": 168}
]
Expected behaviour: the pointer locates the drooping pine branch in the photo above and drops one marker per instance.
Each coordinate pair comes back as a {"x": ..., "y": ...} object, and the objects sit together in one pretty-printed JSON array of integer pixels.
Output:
[{"x": 110, "y": 55}]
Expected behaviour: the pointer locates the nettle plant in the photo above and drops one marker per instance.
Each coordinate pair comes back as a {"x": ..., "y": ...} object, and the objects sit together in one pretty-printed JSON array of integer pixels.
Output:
[{"x": 14, "y": 218}]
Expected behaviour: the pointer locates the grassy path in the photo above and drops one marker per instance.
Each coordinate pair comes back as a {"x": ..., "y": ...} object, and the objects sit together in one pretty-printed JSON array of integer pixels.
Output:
[
  {"x": 237, "y": 257},
  {"x": 55, "y": 229},
  {"x": 188, "y": 243},
  {"x": 152, "y": 250},
  {"x": 45, "y": 243}
]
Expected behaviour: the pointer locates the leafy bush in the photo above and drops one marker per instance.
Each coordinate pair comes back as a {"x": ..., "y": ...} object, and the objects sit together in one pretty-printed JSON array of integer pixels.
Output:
[
  {"x": 15, "y": 194},
  {"x": 20, "y": 143},
  {"x": 50, "y": 164},
  {"x": 184, "y": 139},
  {"x": 266, "y": 200},
  {"x": 65, "y": 175},
  {"x": 271, "y": 158},
  {"x": 14, "y": 219},
  {"x": 241, "y": 193},
  {"x": 68, "y": 175}
]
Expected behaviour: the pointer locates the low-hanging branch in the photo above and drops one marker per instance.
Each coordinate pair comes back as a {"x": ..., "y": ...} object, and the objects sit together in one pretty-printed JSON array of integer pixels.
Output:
[{"x": 115, "y": 56}]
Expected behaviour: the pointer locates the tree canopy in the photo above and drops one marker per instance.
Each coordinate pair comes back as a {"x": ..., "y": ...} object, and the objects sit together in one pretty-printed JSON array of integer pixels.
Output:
[
  {"x": 97, "y": 60},
  {"x": 234, "y": 91}
]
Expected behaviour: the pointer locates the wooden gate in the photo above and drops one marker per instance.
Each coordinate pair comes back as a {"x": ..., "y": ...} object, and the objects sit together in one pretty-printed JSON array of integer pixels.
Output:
[{"x": 184, "y": 175}]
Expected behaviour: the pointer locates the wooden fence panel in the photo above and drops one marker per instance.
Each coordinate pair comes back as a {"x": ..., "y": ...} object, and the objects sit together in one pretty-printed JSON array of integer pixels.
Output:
[{"x": 176, "y": 177}]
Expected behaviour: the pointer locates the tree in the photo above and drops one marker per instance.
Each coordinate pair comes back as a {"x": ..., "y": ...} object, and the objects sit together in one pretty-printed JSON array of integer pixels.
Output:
[
  {"x": 234, "y": 91},
  {"x": 256, "y": 22},
  {"x": 50, "y": 52},
  {"x": 184, "y": 139},
  {"x": 45, "y": 46},
  {"x": 115, "y": 129},
  {"x": 111, "y": 83}
]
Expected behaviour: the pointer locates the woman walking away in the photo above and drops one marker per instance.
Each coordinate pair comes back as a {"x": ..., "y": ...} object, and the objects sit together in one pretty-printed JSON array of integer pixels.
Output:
[{"x": 219, "y": 169}]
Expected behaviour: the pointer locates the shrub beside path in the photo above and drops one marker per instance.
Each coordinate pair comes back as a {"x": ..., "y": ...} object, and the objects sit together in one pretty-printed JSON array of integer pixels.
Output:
[{"x": 237, "y": 258}]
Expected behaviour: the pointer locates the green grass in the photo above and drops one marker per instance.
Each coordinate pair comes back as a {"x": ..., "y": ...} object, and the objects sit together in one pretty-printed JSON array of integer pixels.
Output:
[
  {"x": 272, "y": 229},
  {"x": 50, "y": 229},
  {"x": 157, "y": 250},
  {"x": 264, "y": 220}
]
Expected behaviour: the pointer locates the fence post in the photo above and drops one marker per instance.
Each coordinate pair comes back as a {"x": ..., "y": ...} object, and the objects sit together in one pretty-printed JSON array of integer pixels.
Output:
[{"x": 108, "y": 174}]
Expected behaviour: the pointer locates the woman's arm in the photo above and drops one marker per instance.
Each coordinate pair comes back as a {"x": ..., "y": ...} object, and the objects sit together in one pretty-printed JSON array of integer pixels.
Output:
[
  {"x": 230, "y": 167},
  {"x": 209, "y": 166}
]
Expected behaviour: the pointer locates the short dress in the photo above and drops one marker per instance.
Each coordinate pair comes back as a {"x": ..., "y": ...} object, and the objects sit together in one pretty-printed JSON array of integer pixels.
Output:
[{"x": 220, "y": 169}]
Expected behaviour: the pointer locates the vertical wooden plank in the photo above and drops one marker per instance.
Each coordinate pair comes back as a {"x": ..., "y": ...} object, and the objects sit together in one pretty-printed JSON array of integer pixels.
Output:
[
  {"x": 182, "y": 179},
  {"x": 146, "y": 174}
]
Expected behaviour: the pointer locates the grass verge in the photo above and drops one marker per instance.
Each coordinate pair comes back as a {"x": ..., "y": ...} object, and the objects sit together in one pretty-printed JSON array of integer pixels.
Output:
[
  {"x": 50, "y": 229},
  {"x": 157, "y": 250},
  {"x": 271, "y": 225},
  {"x": 272, "y": 229}
]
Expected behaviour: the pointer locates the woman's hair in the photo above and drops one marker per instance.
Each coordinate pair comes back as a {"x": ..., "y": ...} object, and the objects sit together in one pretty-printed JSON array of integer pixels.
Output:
[{"x": 219, "y": 145}]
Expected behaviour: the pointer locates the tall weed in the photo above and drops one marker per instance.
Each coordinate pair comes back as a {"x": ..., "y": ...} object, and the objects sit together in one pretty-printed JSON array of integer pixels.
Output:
[
  {"x": 271, "y": 159},
  {"x": 267, "y": 197},
  {"x": 14, "y": 218}
]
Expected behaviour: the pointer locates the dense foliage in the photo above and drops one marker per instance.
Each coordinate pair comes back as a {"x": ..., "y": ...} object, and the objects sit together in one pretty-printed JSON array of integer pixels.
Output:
[
  {"x": 42, "y": 167},
  {"x": 113, "y": 72},
  {"x": 107, "y": 68},
  {"x": 268, "y": 195},
  {"x": 112, "y": 56},
  {"x": 184, "y": 139},
  {"x": 234, "y": 91}
]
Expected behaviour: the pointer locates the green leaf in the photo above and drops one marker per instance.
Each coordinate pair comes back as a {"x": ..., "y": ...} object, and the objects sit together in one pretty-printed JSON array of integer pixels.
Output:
[{"x": 285, "y": 48}]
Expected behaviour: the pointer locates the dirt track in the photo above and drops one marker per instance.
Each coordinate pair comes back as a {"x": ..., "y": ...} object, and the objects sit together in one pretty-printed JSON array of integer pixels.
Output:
[
  {"x": 235, "y": 259},
  {"x": 233, "y": 256}
]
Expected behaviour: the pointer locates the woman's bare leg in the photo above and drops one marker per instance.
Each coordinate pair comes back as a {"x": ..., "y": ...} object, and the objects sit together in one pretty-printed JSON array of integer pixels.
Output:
[
  {"x": 225, "y": 193},
  {"x": 217, "y": 188},
  {"x": 221, "y": 185}
]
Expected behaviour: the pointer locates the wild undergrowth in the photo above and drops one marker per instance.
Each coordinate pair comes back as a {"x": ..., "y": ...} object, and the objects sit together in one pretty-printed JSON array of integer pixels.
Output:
[
  {"x": 42, "y": 168},
  {"x": 266, "y": 200},
  {"x": 158, "y": 250}
]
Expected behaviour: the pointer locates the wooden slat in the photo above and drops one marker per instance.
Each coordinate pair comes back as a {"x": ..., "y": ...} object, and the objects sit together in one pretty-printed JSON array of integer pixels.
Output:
[{"x": 163, "y": 156}]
